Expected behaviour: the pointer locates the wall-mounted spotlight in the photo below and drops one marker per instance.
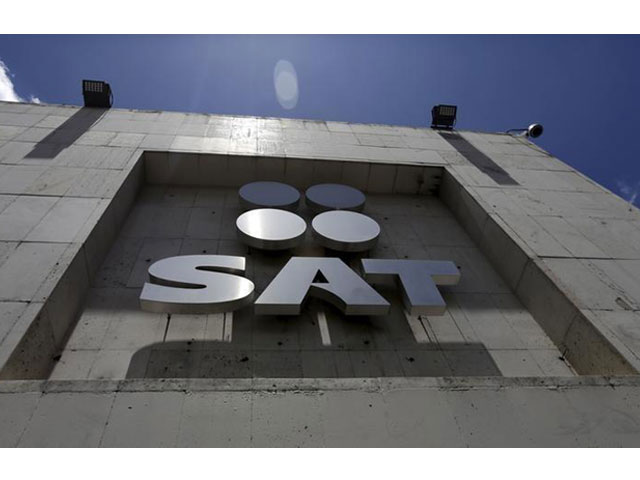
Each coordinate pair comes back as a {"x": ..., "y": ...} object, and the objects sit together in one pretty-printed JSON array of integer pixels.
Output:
[
  {"x": 443, "y": 116},
  {"x": 533, "y": 131},
  {"x": 97, "y": 94}
]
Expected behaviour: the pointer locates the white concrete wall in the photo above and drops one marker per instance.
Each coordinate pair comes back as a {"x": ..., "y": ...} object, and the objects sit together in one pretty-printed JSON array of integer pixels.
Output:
[
  {"x": 318, "y": 413},
  {"x": 565, "y": 246},
  {"x": 64, "y": 162}
]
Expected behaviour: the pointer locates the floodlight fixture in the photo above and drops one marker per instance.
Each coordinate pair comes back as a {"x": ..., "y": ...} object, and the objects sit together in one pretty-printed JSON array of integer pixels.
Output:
[
  {"x": 533, "y": 131},
  {"x": 97, "y": 94},
  {"x": 443, "y": 116}
]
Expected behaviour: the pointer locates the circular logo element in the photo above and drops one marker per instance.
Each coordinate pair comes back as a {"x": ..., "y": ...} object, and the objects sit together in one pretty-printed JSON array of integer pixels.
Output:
[
  {"x": 271, "y": 229},
  {"x": 346, "y": 231},
  {"x": 269, "y": 195},
  {"x": 334, "y": 196}
]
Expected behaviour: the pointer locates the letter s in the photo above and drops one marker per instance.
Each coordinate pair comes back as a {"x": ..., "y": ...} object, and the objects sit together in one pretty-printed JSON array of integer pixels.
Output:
[{"x": 196, "y": 284}]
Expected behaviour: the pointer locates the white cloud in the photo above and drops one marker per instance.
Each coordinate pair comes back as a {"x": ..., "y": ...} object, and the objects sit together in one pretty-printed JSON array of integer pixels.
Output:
[
  {"x": 7, "y": 90},
  {"x": 630, "y": 192}
]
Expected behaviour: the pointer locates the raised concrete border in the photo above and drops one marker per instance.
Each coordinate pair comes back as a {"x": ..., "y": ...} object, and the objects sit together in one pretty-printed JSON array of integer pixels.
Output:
[
  {"x": 29, "y": 350},
  {"x": 210, "y": 170},
  {"x": 587, "y": 346},
  {"x": 311, "y": 384}
]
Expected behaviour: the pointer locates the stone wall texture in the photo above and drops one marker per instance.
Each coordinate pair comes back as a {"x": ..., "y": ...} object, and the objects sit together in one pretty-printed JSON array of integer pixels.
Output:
[{"x": 547, "y": 315}]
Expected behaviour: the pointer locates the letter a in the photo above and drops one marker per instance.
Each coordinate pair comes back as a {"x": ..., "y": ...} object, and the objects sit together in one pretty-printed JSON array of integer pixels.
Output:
[{"x": 329, "y": 279}]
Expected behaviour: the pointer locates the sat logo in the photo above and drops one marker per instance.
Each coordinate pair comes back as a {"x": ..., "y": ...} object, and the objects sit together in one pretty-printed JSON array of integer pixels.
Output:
[{"x": 214, "y": 283}]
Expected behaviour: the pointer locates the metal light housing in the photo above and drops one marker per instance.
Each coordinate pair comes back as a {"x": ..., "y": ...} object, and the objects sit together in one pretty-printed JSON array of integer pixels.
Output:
[
  {"x": 443, "y": 116},
  {"x": 97, "y": 94}
]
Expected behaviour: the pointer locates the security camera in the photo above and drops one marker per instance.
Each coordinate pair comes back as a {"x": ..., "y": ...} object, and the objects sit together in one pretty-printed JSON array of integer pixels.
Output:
[{"x": 534, "y": 130}]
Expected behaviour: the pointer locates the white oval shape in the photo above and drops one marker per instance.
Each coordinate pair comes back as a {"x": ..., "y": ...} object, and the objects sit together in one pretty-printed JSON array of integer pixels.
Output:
[
  {"x": 334, "y": 196},
  {"x": 285, "y": 81},
  {"x": 346, "y": 231},
  {"x": 269, "y": 195},
  {"x": 271, "y": 229}
]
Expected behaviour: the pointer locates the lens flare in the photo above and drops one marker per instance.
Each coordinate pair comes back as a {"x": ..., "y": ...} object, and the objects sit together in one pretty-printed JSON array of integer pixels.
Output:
[{"x": 285, "y": 81}]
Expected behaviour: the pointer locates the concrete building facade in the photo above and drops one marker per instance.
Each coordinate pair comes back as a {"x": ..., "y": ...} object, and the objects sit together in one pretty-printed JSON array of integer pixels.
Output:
[{"x": 539, "y": 344}]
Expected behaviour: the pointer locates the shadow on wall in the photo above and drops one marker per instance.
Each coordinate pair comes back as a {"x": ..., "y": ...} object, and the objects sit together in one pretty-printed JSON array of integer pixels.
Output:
[
  {"x": 272, "y": 346},
  {"x": 479, "y": 159},
  {"x": 212, "y": 359},
  {"x": 67, "y": 133}
]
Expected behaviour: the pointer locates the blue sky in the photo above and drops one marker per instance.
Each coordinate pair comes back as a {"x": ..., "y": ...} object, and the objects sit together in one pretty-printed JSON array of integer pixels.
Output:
[{"x": 583, "y": 89}]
